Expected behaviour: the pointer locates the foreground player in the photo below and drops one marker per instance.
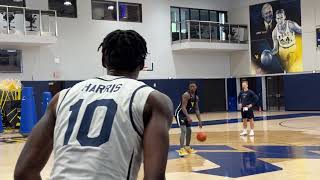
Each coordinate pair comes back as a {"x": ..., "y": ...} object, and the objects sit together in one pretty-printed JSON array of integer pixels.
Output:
[
  {"x": 247, "y": 99},
  {"x": 284, "y": 42},
  {"x": 189, "y": 103},
  {"x": 99, "y": 128}
]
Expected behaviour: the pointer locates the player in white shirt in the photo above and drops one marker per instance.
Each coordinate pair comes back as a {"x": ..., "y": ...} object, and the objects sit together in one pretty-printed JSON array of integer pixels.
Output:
[{"x": 104, "y": 127}]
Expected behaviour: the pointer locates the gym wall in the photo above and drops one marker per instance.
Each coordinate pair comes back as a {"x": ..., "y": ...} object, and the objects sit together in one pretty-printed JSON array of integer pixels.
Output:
[{"x": 80, "y": 37}]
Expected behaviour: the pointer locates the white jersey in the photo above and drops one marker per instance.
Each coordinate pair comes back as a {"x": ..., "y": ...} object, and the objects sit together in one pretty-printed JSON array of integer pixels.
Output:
[
  {"x": 286, "y": 38},
  {"x": 99, "y": 130}
]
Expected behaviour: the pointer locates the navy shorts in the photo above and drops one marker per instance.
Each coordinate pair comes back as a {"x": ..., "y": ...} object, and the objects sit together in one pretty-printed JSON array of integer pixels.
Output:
[
  {"x": 182, "y": 119},
  {"x": 247, "y": 114}
]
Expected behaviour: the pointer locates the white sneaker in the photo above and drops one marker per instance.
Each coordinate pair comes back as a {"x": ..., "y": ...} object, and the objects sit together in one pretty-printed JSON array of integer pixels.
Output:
[
  {"x": 244, "y": 133},
  {"x": 251, "y": 133}
]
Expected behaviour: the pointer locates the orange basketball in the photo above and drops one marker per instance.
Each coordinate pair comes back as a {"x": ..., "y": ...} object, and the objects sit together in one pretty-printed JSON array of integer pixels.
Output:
[{"x": 201, "y": 136}]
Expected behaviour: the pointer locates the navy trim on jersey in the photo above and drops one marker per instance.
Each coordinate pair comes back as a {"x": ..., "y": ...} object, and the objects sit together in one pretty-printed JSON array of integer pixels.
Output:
[
  {"x": 62, "y": 100},
  {"x": 130, "y": 109},
  {"x": 109, "y": 79},
  {"x": 129, "y": 170}
]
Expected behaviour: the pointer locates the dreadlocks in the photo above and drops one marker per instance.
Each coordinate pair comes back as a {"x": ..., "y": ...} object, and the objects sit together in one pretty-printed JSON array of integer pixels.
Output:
[{"x": 123, "y": 50}]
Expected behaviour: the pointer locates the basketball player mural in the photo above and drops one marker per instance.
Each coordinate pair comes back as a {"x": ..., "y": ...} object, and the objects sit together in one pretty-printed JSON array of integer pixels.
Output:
[
  {"x": 284, "y": 43},
  {"x": 104, "y": 127}
]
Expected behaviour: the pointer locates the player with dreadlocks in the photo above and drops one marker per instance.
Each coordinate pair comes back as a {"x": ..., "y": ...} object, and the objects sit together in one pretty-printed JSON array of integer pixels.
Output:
[
  {"x": 189, "y": 103},
  {"x": 100, "y": 128}
]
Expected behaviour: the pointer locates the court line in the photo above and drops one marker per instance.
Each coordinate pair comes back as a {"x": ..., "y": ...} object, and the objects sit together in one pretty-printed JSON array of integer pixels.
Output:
[
  {"x": 289, "y": 127},
  {"x": 260, "y": 118}
]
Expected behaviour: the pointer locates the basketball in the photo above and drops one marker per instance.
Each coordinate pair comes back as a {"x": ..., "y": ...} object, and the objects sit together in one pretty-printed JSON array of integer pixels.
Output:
[
  {"x": 266, "y": 58},
  {"x": 201, "y": 136}
]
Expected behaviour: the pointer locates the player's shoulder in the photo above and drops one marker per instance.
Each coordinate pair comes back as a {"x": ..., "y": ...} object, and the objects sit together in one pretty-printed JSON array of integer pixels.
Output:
[
  {"x": 158, "y": 99},
  {"x": 291, "y": 23},
  {"x": 133, "y": 83},
  {"x": 186, "y": 95}
]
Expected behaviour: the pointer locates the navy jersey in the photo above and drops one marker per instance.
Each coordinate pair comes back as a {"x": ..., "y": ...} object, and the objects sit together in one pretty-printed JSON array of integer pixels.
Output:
[
  {"x": 247, "y": 97},
  {"x": 190, "y": 105}
]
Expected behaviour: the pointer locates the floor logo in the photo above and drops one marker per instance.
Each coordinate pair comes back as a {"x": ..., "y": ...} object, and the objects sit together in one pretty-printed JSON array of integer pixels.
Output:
[{"x": 239, "y": 164}]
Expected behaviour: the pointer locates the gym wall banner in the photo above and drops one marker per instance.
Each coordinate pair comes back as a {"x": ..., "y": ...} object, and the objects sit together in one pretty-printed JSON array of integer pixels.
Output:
[{"x": 276, "y": 43}]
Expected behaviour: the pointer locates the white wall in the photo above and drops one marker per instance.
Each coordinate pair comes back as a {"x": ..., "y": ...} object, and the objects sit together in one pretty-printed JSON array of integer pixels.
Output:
[
  {"x": 310, "y": 12},
  {"x": 206, "y": 65},
  {"x": 79, "y": 39}
]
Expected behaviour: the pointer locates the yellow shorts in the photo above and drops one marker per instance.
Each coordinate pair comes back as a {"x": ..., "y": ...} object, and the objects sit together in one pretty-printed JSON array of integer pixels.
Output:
[{"x": 289, "y": 59}]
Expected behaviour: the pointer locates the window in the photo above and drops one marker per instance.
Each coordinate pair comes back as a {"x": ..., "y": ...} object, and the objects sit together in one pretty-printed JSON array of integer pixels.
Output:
[
  {"x": 198, "y": 30},
  {"x": 223, "y": 17},
  {"x": 20, "y": 3},
  {"x": 10, "y": 60},
  {"x": 195, "y": 14},
  {"x": 213, "y": 16},
  {"x": 64, "y": 8},
  {"x": 204, "y": 15},
  {"x": 130, "y": 12},
  {"x": 185, "y": 14},
  {"x": 175, "y": 26},
  {"x": 104, "y": 10},
  {"x": 175, "y": 15}
]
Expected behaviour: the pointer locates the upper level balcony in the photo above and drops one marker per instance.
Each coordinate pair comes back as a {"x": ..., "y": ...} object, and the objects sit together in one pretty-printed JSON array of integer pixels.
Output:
[
  {"x": 209, "y": 36},
  {"x": 20, "y": 26}
]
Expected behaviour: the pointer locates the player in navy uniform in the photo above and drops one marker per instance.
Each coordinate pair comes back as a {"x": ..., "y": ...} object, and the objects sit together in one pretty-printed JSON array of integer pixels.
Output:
[
  {"x": 247, "y": 99},
  {"x": 103, "y": 128},
  {"x": 189, "y": 103}
]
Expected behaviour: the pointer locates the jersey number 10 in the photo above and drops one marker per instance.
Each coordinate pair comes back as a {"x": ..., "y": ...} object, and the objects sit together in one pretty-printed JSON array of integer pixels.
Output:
[{"x": 86, "y": 120}]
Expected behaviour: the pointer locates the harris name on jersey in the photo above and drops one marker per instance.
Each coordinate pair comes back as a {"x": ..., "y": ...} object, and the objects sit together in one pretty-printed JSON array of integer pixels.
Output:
[{"x": 99, "y": 88}]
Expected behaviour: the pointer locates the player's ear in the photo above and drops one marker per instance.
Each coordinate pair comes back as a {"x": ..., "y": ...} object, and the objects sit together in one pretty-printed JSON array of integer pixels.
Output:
[{"x": 141, "y": 66}]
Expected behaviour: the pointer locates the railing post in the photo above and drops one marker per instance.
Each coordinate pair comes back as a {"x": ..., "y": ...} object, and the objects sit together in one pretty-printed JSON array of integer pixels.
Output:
[
  {"x": 239, "y": 34},
  {"x": 188, "y": 25},
  {"x": 179, "y": 31},
  {"x": 40, "y": 14},
  {"x": 24, "y": 22},
  {"x": 8, "y": 23},
  {"x": 229, "y": 35},
  {"x": 210, "y": 34},
  {"x": 199, "y": 30},
  {"x": 49, "y": 23},
  {"x": 56, "y": 23}
]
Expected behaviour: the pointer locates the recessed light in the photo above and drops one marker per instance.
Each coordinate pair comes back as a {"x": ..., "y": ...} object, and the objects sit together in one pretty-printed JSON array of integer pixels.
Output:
[
  {"x": 110, "y": 8},
  {"x": 67, "y": 3}
]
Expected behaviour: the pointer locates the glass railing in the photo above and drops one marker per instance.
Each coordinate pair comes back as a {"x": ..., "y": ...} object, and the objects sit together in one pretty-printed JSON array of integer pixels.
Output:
[
  {"x": 209, "y": 31},
  {"x": 25, "y": 21}
]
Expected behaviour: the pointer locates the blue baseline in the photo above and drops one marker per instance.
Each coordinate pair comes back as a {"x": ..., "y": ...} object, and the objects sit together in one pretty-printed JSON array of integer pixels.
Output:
[{"x": 260, "y": 118}]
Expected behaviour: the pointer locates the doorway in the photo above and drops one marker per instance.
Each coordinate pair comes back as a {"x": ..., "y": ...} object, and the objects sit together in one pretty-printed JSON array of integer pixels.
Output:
[{"x": 275, "y": 93}]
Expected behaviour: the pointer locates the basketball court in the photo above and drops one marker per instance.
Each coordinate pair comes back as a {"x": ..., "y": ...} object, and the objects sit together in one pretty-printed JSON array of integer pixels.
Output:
[{"x": 286, "y": 145}]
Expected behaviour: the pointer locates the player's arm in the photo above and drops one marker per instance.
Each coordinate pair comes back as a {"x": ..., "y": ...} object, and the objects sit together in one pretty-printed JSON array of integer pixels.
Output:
[
  {"x": 240, "y": 100},
  {"x": 254, "y": 99},
  {"x": 197, "y": 109},
  {"x": 37, "y": 150},
  {"x": 295, "y": 27},
  {"x": 275, "y": 49},
  {"x": 184, "y": 103},
  {"x": 158, "y": 114}
]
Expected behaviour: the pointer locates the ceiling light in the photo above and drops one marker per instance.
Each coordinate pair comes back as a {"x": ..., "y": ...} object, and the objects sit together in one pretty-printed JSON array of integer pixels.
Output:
[
  {"x": 110, "y": 8},
  {"x": 67, "y": 3}
]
